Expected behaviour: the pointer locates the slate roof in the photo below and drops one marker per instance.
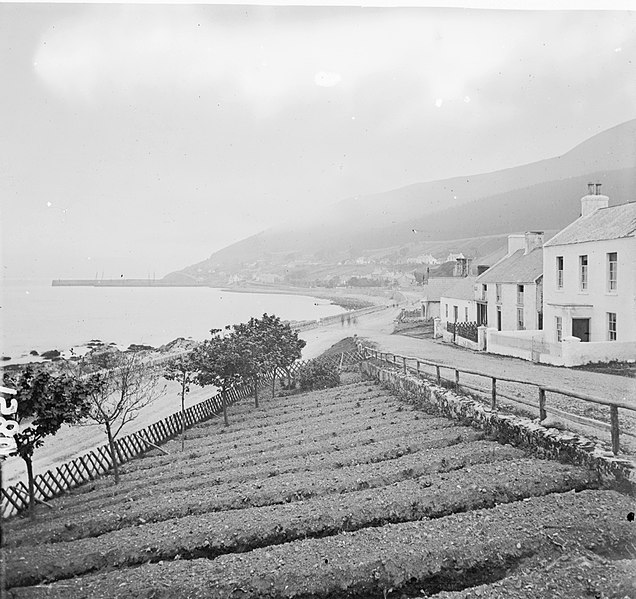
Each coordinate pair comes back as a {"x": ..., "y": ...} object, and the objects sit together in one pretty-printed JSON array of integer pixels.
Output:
[
  {"x": 516, "y": 268},
  {"x": 436, "y": 287},
  {"x": 463, "y": 288},
  {"x": 614, "y": 222}
]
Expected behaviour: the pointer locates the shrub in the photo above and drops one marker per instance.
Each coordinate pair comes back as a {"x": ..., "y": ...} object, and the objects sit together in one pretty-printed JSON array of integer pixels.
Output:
[{"x": 318, "y": 375}]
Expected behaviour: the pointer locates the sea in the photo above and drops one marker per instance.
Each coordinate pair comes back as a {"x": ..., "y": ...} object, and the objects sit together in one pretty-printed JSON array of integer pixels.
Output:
[{"x": 35, "y": 316}]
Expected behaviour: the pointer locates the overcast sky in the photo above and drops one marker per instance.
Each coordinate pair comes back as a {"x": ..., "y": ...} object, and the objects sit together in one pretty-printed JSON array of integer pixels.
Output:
[{"x": 139, "y": 139}]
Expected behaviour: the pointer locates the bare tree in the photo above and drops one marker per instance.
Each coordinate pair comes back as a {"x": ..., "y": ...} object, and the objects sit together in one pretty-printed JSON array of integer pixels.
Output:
[
  {"x": 183, "y": 370},
  {"x": 125, "y": 384}
]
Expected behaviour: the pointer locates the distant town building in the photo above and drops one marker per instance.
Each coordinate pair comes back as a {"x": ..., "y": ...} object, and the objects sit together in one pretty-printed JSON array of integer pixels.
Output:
[{"x": 423, "y": 259}]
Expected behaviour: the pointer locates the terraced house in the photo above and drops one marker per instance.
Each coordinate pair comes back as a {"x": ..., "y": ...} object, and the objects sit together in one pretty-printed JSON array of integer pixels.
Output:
[
  {"x": 509, "y": 292},
  {"x": 590, "y": 283}
]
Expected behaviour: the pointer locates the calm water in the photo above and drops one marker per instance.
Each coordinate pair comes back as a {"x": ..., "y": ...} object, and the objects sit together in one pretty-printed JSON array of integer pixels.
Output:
[{"x": 36, "y": 316}]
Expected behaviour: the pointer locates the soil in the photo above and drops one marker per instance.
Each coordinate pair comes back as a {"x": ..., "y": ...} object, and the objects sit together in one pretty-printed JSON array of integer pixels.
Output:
[
  {"x": 341, "y": 493},
  {"x": 348, "y": 344}
]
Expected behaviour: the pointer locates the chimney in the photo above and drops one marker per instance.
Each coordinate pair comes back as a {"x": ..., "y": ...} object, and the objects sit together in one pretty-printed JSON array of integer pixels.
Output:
[
  {"x": 593, "y": 200},
  {"x": 516, "y": 242},
  {"x": 534, "y": 240},
  {"x": 482, "y": 268}
]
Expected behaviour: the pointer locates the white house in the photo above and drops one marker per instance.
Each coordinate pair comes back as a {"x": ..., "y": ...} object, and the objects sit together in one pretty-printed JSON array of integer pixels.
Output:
[
  {"x": 431, "y": 292},
  {"x": 458, "y": 302},
  {"x": 590, "y": 282},
  {"x": 509, "y": 293}
]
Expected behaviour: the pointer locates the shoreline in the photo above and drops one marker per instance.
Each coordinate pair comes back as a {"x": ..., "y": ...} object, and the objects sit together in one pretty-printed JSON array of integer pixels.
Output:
[
  {"x": 72, "y": 442},
  {"x": 324, "y": 301},
  {"x": 348, "y": 298}
]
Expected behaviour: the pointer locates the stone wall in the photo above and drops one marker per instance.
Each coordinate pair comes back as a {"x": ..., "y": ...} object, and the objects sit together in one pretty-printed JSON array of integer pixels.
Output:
[{"x": 507, "y": 428}]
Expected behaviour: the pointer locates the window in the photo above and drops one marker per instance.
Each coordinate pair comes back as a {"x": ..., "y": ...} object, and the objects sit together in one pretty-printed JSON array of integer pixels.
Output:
[
  {"x": 520, "y": 290},
  {"x": 611, "y": 326},
  {"x": 559, "y": 329},
  {"x": 520, "y": 322},
  {"x": 583, "y": 273},
  {"x": 612, "y": 271},
  {"x": 498, "y": 292},
  {"x": 466, "y": 314},
  {"x": 559, "y": 273},
  {"x": 484, "y": 290},
  {"x": 446, "y": 311}
]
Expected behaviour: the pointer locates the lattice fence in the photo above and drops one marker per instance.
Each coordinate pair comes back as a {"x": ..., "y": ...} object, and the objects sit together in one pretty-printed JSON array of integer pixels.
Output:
[{"x": 89, "y": 466}]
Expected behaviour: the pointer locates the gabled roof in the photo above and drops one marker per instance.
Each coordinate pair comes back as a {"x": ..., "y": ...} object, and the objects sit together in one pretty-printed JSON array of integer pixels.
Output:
[
  {"x": 515, "y": 268},
  {"x": 613, "y": 222},
  {"x": 436, "y": 287},
  {"x": 463, "y": 288}
]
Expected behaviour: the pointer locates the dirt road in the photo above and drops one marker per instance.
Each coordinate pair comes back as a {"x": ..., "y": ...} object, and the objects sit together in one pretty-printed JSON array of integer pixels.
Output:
[{"x": 377, "y": 328}]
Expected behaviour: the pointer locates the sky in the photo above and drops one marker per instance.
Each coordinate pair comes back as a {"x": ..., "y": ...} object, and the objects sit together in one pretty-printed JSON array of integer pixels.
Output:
[{"x": 138, "y": 139}]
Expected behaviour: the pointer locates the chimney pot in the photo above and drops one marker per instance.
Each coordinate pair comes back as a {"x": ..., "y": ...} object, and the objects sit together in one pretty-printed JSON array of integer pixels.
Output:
[
  {"x": 590, "y": 188},
  {"x": 598, "y": 189}
]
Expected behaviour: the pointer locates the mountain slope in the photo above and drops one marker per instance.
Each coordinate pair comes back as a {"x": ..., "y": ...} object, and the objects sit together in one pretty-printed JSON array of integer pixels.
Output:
[{"x": 542, "y": 195}]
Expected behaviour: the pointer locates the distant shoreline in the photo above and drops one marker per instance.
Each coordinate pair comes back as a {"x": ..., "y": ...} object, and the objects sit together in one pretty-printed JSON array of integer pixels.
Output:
[
  {"x": 349, "y": 299},
  {"x": 122, "y": 283},
  {"x": 353, "y": 299}
]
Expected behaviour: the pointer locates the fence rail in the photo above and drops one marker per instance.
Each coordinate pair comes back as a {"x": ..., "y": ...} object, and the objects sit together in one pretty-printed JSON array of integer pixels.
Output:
[
  {"x": 89, "y": 466},
  {"x": 398, "y": 361}
]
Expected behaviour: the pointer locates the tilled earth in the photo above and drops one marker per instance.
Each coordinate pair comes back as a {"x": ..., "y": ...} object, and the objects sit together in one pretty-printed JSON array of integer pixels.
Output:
[{"x": 342, "y": 493}]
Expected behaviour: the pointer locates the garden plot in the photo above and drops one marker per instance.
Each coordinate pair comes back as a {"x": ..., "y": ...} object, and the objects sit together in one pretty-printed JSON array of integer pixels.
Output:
[
  {"x": 397, "y": 503},
  {"x": 228, "y": 445},
  {"x": 307, "y": 457},
  {"x": 574, "y": 572},
  {"x": 280, "y": 489},
  {"x": 403, "y": 432},
  {"x": 421, "y": 557},
  {"x": 266, "y": 425},
  {"x": 232, "y": 441},
  {"x": 434, "y": 496}
]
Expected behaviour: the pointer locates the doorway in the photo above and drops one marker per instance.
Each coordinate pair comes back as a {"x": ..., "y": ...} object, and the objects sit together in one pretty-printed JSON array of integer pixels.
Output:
[{"x": 581, "y": 328}]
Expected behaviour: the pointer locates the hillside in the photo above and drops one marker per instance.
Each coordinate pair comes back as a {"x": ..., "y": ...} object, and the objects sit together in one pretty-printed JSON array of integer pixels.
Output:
[{"x": 539, "y": 196}]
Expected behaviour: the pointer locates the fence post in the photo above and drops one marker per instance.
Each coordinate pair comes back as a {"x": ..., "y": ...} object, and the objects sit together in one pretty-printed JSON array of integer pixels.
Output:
[
  {"x": 404, "y": 363},
  {"x": 615, "y": 430},
  {"x": 493, "y": 404},
  {"x": 439, "y": 376},
  {"x": 542, "y": 412},
  {"x": 456, "y": 379}
]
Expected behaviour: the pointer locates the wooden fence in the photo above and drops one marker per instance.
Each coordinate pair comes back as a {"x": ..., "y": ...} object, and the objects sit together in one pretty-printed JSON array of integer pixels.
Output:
[
  {"x": 416, "y": 364},
  {"x": 89, "y": 466}
]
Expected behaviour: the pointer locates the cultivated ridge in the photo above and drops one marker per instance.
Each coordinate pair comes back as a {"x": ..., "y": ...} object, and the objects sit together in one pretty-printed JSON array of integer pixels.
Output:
[{"x": 346, "y": 492}]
